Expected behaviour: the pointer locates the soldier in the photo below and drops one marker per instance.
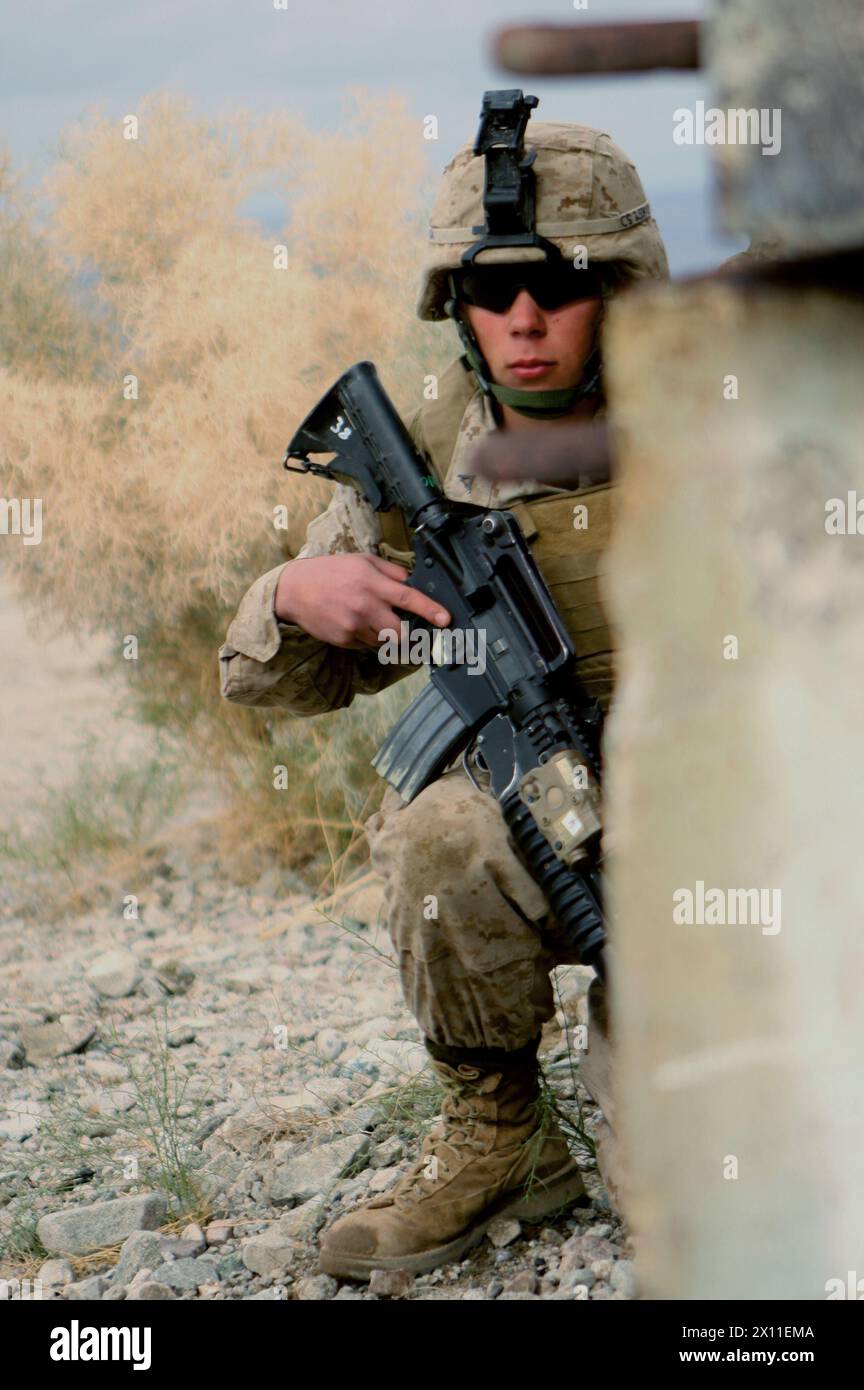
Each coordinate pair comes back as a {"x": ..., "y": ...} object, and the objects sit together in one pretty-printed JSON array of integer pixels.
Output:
[{"x": 305, "y": 637}]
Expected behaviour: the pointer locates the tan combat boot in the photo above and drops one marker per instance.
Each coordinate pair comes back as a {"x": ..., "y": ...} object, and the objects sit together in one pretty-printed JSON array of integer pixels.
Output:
[{"x": 489, "y": 1154}]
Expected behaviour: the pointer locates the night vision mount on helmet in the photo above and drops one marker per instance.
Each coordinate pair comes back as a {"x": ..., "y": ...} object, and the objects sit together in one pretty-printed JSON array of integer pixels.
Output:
[
  {"x": 571, "y": 195},
  {"x": 509, "y": 204}
]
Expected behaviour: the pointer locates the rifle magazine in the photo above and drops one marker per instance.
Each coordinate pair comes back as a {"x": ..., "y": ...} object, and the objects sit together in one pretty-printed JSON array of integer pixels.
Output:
[{"x": 427, "y": 736}]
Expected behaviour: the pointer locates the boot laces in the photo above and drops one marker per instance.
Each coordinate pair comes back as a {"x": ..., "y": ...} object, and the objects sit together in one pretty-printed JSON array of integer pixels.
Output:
[{"x": 455, "y": 1130}]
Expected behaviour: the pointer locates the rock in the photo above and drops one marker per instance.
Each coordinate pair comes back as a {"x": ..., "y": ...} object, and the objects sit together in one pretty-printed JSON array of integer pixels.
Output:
[
  {"x": 81, "y": 1230},
  {"x": 391, "y": 1283},
  {"x": 141, "y": 1250},
  {"x": 43, "y": 1042},
  {"x": 176, "y": 1248},
  {"x": 11, "y": 1054},
  {"x": 316, "y": 1286},
  {"x": 603, "y": 1229},
  {"x": 193, "y": 1232},
  {"x": 326, "y": 1094},
  {"x": 247, "y": 1130},
  {"x": 115, "y": 1293},
  {"x": 108, "y": 1102},
  {"x": 503, "y": 1231},
  {"x": 494, "y": 1288},
  {"x": 11, "y": 1185},
  {"x": 602, "y": 1269},
  {"x": 361, "y": 1069},
  {"x": 218, "y": 1232},
  {"x": 150, "y": 988},
  {"x": 303, "y": 1222},
  {"x": 53, "y": 1274},
  {"x": 349, "y": 1188},
  {"x": 220, "y": 1173},
  {"x": 180, "y": 1037},
  {"x": 175, "y": 977},
  {"x": 115, "y": 974},
  {"x": 21, "y": 1121},
  {"x": 474, "y": 1296},
  {"x": 574, "y": 1277},
  {"x": 246, "y": 981},
  {"x": 382, "y": 1179},
  {"x": 150, "y": 1291},
  {"x": 549, "y": 1236},
  {"x": 599, "y": 1196},
  {"x": 296, "y": 1105},
  {"x": 106, "y": 1070},
  {"x": 365, "y": 1114},
  {"x": 86, "y": 1290},
  {"x": 386, "y": 1154},
  {"x": 372, "y": 1028},
  {"x": 273, "y": 1252},
  {"x": 583, "y": 1250},
  {"x": 143, "y": 1276},
  {"x": 395, "y": 1059},
  {"x": 155, "y": 919},
  {"x": 623, "y": 1278},
  {"x": 524, "y": 1282},
  {"x": 329, "y": 1044},
  {"x": 314, "y": 1172},
  {"x": 185, "y": 1274},
  {"x": 11, "y": 1017}
]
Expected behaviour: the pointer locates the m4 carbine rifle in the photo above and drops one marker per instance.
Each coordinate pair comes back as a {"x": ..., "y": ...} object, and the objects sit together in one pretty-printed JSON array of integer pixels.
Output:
[{"x": 534, "y": 729}]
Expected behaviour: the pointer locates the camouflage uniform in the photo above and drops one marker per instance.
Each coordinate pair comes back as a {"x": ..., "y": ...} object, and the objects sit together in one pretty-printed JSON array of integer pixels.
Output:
[{"x": 476, "y": 973}]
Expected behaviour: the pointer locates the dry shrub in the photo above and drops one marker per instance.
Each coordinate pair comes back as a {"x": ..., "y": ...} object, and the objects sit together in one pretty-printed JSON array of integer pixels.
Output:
[
  {"x": 158, "y": 511},
  {"x": 47, "y": 325}
]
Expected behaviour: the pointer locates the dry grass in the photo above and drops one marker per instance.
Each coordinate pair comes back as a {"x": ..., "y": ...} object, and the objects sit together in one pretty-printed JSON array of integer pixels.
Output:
[{"x": 157, "y": 511}]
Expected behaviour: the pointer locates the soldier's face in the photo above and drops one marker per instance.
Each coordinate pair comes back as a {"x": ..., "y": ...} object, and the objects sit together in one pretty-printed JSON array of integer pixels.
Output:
[{"x": 557, "y": 341}]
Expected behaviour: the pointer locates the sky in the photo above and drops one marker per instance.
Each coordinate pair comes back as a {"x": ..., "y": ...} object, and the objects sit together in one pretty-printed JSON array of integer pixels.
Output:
[{"x": 61, "y": 57}]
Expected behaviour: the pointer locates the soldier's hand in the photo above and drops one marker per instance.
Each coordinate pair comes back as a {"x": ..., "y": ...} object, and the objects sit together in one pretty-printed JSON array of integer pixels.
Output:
[{"x": 347, "y": 600}]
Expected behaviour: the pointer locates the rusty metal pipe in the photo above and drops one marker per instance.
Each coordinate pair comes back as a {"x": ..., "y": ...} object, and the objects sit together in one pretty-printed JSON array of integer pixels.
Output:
[
  {"x": 843, "y": 271},
  {"x": 598, "y": 48}
]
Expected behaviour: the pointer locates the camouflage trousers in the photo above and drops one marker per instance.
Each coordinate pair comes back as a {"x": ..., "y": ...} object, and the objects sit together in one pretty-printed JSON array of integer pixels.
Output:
[{"x": 472, "y": 931}]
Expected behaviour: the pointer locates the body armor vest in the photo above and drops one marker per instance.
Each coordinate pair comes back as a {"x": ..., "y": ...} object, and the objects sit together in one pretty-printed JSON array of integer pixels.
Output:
[{"x": 568, "y": 544}]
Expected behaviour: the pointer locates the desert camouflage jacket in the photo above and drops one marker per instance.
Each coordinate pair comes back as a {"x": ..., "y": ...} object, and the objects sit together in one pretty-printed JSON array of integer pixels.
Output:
[{"x": 265, "y": 661}]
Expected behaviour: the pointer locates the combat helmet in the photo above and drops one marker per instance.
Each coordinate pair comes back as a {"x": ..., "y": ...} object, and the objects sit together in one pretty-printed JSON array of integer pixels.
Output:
[{"x": 566, "y": 192}]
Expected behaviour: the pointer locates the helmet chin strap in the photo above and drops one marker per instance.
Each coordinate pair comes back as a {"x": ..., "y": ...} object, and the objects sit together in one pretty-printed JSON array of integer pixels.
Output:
[
  {"x": 536, "y": 405},
  {"x": 550, "y": 405}
]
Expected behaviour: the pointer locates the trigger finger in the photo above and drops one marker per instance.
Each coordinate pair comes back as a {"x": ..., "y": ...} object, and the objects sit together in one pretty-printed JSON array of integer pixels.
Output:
[{"x": 412, "y": 601}]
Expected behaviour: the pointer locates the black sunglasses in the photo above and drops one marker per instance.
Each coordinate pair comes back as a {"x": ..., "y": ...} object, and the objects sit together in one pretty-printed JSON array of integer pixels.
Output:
[{"x": 496, "y": 287}]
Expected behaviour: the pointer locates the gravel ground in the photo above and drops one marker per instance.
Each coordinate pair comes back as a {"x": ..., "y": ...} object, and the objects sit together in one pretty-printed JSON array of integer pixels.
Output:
[{"x": 192, "y": 1084}]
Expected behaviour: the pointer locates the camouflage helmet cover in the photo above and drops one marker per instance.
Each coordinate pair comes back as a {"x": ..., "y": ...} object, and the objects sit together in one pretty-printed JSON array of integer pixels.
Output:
[{"x": 588, "y": 194}]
